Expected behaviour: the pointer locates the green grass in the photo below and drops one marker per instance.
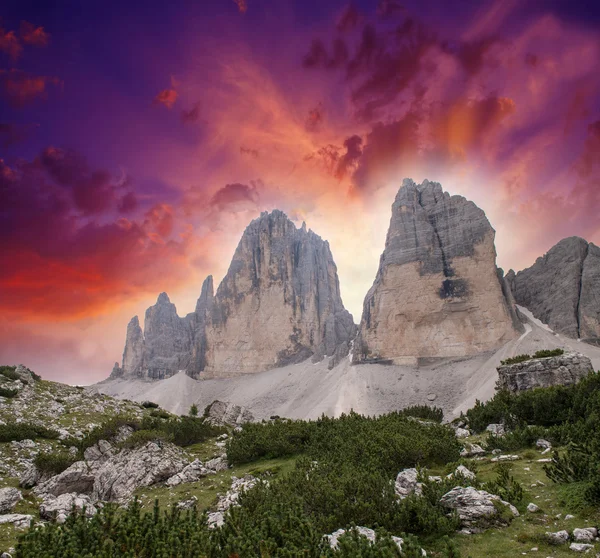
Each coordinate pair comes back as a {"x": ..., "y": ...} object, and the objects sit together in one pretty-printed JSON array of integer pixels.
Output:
[
  {"x": 206, "y": 490},
  {"x": 527, "y": 531}
]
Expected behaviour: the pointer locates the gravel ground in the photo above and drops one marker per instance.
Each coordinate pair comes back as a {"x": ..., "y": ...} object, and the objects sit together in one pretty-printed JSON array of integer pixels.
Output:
[{"x": 308, "y": 390}]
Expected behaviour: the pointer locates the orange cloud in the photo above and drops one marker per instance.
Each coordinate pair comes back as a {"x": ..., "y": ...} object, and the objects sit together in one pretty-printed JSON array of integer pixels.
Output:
[
  {"x": 166, "y": 97},
  {"x": 32, "y": 35},
  {"x": 20, "y": 88},
  {"x": 242, "y": 5},
  {"x": 9, "y": 43}
]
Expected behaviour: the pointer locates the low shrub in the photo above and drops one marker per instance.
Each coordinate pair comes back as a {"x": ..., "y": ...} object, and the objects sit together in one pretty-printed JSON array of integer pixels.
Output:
[
  {"x": 545, "y": 353},
  {"x": 149, "y": 405},
  {"x": 424, "y": 412},
  {"x": 505, "y": 485},
  {"x": 54, "y": 463},
  {"x": 142, "y": 437},
  {"x": 9, "y": 372},
  {"x": 8, "y": 393},
  {"x": 17, "y": 431},
  {"x": 160, "y": 413}
]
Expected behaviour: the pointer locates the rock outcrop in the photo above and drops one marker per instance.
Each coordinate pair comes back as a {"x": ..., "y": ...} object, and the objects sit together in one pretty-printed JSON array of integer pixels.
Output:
[
  {"x": 278, "y": 304},
  {"x": 562, "y": 289},
  {"x": 563, "y": 370},
  {"x": 438, "y": 292},
  {"x": 477, "y": 507}
]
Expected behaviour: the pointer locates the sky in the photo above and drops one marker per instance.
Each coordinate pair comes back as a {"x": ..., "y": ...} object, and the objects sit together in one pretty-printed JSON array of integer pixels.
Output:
[{"x": 138, "y": 139}]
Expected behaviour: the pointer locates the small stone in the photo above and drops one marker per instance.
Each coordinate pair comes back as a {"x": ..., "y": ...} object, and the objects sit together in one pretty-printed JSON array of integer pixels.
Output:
[
  {"x": 581, "y": 547},
  {"x": 559, "y": 537},
  {"x": 532, "y": 508},
  {"x": 569, "y": 516}
]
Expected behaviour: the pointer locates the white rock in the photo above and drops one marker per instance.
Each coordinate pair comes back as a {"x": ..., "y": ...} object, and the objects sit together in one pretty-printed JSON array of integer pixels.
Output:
[
  {"x": 474, "y": 505},
  {"x": 506, "y": 458},
  {"x": 62, "y": 506},
  {"x": 543, "y": 444},
  {"x": 581, "y": 547},
  {"x": 585, "y": 535},
  {"x": 559, "y": 537},
  {"x": 532, "y": 508},
  {"x": 496, "y": 429},
  {"x": 463, "y": 471},
  {"x": 369, "y": 534},
  {"x": 462, "y": 433},
  {"x": 472, "y": 450},
  {"x": 407, "y": 484},
  {"x": 9, "y": 498},
  {"x": 19, "y": 520},
  {"x": 191, "y": 473}
]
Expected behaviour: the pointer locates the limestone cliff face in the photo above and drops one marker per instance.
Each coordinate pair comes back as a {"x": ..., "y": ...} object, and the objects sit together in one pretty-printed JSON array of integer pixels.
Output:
[
  {"x": 133, "y": 355},
  {"x": 437, "y": 292},
  {"x": 278, "y": 304},
  {"x": 562, "y": 288}
]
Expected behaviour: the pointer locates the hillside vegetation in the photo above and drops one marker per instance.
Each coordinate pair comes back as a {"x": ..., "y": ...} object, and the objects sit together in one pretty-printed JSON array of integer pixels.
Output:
[{"x": 315, "y": 477}]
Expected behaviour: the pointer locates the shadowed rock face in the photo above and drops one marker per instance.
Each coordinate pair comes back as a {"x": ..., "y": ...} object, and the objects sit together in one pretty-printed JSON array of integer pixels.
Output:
[
  {"x": 437, "y": 292},
  {"x": 562, "y": 288},
  {"x": 278, "y": 304}
]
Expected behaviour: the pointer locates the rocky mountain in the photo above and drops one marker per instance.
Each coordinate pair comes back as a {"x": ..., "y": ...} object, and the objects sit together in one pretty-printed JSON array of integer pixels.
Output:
[
  {"x": 438, "y": 292},
  {"x": 562, "y": 288},
  {"x": 278, "y": 304}
]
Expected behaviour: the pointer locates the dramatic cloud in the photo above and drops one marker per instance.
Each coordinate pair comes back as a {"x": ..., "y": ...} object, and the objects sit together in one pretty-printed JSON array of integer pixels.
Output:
[
  {"x": 20, "y": 88},
  {"x": 11, "y": 134},
  {"x": 315, "y": 118},
  {"x": 166, "y": 97},
  {"x": 242, "y": 5},
  {"x": 349, "y": 160},
  {"x": 65, "y": 251},
  {"x": 32, "y": 35},
  {"x": 235, "y": 197},
  {"x": 349, "y": 19},
  {"x": 9, "y": 43},
  {"x": 192, "y": 115}
]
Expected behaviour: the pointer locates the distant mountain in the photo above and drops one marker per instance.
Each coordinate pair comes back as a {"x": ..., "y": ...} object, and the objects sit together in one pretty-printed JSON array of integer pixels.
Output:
[
  {"x": 562, "y": 288},
  {"x": 278, "y": 304}
]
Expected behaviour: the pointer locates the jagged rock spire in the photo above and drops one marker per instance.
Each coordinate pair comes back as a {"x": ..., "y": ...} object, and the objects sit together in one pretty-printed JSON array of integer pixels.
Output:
[{"x": 437, "y": 291}]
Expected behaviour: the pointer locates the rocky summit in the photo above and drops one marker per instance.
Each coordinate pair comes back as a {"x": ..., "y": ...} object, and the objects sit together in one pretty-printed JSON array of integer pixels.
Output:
[
  {"x": 437, "y": 292},
  {"x": 278, "y": 304},
  {"x": 561, "y": 288}
]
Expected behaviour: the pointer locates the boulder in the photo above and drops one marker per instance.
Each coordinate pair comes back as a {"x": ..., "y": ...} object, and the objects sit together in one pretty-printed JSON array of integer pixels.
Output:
[
  {"x": 585, "y": 535},
  {"x": 543, "y": 444},
  {"x": 558, "y": 537},
  {"x": 472, "y": 450},
  {"x": 496, "y": 429},
  {"x": 477, "y": 507},
  {"x": 532, "y": 508},
  {"x": 191, "y": 473},
  {"x": 19, "y": 520},
  {"x": 217, "y": 464},
  {"x": 333, "y": 539},
  {"x": 462, "y": 433},
  {"x": 9, "y": 497},
  {"x": 78, "y": 478},
  {"x": 238, "y": 485},
  {"x": 407, "y": 484},
  {"x": 462, "y": 471},
  {"x": 117, "y": 478},
  {"x": 437, "y": 292},
  {"x": 60, "y": 507},
  {"x": 223, "y": 413},
  {"x": 565, "y": 369},
  {"x": 581, "y": 547}
]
